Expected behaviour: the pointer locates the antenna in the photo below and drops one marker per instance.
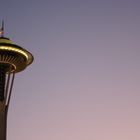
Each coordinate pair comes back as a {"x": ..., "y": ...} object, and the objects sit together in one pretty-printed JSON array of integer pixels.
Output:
[{"x": 2, "y": 29}]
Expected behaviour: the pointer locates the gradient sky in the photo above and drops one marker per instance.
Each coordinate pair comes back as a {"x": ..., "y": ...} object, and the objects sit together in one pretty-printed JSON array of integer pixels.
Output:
[{"x": 84, "y": 83}]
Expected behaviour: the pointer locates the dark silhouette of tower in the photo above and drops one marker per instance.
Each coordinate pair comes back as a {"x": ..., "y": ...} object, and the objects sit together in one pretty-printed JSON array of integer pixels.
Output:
[{"x": 13, "y": 59}]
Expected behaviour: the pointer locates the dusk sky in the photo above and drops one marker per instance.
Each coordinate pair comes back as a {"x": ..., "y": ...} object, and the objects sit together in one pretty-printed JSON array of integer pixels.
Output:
[{"x": 84, "y": 83}]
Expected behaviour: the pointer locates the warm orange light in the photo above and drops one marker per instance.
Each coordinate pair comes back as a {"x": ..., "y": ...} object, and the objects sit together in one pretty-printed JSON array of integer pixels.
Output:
[{"x": 15, "y": 50}]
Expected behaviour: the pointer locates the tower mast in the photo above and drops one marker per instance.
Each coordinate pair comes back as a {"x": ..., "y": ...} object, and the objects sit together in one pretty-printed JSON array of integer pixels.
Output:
[{"x": 13, "y": 59}]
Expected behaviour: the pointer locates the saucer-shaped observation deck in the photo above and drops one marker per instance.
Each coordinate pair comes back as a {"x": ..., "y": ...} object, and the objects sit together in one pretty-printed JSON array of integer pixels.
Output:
[{"x": 13, "y": 57}]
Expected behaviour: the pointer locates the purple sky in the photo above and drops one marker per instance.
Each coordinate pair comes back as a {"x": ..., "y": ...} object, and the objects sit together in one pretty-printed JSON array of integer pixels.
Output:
[{"x": 84, "y": 83}]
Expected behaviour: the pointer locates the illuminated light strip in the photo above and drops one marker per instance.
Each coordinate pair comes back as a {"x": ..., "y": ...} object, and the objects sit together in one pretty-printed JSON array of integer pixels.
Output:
[
  {"x": 12, "y": 70},
  {"x": 15, "y": 50}
]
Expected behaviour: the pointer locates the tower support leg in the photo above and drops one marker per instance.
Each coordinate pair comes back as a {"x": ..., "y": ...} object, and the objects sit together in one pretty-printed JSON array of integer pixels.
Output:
[
  {"x": 3, "y": 121},
  {"x": 6, "y": 84}
]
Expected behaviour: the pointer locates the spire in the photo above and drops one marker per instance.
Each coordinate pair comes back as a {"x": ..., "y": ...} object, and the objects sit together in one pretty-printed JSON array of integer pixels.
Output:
[{"x": 2, "y": 29}]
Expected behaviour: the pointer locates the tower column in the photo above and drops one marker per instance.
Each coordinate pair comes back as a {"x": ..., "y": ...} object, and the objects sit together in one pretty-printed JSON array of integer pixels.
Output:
[
  {"x": 3, "y": 106},
  {"x": 3, "y": 120}
]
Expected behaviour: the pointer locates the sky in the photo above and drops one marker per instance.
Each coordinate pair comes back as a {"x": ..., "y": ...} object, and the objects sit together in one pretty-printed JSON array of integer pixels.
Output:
[{"x": 84, "y": 83}]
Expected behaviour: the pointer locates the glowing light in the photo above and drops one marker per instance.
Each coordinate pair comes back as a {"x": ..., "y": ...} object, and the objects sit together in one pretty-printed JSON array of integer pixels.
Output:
[
  {"x": 13, "y": 68},
  {"x": 14, "y": 50}
]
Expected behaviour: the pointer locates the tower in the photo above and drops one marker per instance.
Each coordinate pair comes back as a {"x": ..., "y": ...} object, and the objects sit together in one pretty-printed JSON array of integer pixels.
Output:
[{"x": 13, "y": 59}]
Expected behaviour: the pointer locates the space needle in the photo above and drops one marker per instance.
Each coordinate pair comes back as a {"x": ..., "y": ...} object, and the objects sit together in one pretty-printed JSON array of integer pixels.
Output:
[{"x": 13, "y": 59}]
